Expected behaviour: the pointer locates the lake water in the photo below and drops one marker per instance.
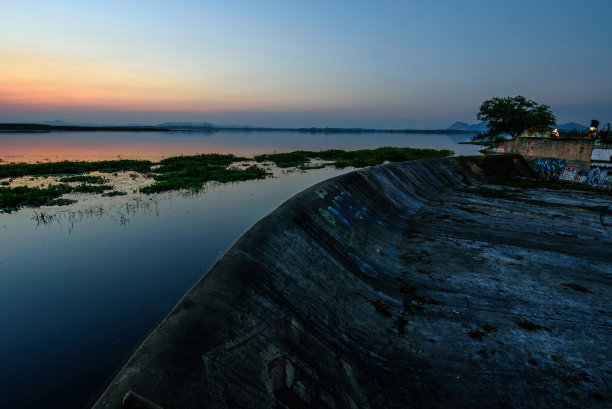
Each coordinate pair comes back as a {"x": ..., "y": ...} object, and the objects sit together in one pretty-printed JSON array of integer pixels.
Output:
[
  {"x": 79, "y": 291},
  {"x": 105, "y": 145}
]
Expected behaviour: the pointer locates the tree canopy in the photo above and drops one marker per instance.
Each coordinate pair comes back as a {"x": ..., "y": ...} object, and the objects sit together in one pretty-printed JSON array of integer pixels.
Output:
[{"x": 513, "y": 116}]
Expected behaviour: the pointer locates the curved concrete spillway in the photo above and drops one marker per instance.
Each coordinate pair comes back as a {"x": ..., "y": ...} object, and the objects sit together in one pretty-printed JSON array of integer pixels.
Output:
[{"x": 415, "y": 284}]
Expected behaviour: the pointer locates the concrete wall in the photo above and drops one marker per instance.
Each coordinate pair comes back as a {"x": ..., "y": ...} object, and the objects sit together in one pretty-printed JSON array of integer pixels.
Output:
[
  {"x": 416, "y": 284},
  {"x": 576, "y": 160}
]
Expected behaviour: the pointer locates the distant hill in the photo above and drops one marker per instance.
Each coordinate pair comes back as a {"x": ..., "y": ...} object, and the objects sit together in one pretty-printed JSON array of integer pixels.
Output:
[
  {"x": 459, "y": 126},
  {"x": 56, "y": 123},
  {"x": 572, "y": 126},
  {"x": 463, "y": 126},
  {"x": 201, "y": 125},
  {"x": 186, "y": 124}
]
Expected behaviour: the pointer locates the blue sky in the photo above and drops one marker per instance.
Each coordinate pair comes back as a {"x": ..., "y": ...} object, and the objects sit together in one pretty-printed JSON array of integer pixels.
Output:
[{"x": 392, "y": 64}]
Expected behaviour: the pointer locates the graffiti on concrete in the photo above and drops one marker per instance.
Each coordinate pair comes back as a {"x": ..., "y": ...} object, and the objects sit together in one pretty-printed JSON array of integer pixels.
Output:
[
  {"x": 327, "y": 216},
  {"x": 346, "y": 209},
  {"x": 573, "y": 173},
  {"x": 599, "y": 178},
  {"x": 600, "y": 172},
  {"x": 550, "y": 167},
  {"x": 363, "y": 266}
]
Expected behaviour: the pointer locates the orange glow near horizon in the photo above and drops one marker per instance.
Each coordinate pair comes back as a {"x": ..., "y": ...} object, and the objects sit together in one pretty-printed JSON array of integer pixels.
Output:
[{"x": 36, "y": 81}]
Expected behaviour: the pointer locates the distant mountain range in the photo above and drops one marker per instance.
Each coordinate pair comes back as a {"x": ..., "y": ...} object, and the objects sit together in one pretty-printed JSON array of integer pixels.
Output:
[
  {"x": 482, "y": 126},
  {"x": 572, "y": 126},
  {"x": 463, "y": 126},
  {"x": 457, "y": 126},
  {"x": 200, "y": 125},
  {"x": 162, "y": 125}
]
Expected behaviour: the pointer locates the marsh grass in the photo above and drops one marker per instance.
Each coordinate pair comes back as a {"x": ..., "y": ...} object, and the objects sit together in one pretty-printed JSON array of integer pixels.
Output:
[
  {"x": 94, "y": 180},
  {"x": 191, "y": 172},
  {"x": 12, "y": 199},
  {"x": 73, "y": 168},
  {"x": 358, "y": 159},
  {"x": 113, "y": 193},
  {"x": 84, "y": 188},
  {"x": 180, "y": 172},
  {"x": 193, "y": 177}
]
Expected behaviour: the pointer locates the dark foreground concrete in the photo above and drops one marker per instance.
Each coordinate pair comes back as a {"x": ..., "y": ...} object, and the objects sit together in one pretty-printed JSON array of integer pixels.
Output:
[{"x": 408, "y": 285}]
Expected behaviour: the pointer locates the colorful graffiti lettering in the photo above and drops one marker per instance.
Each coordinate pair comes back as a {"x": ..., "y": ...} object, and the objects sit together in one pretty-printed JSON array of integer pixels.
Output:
[
  {"x": 573, "y": 173},
  {"x": 598, "y": 178},
  {"x": 550, "y": 167}
]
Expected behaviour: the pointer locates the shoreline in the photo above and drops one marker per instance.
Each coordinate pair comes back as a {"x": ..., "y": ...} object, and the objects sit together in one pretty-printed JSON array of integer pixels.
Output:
[
  {"x": 23, "y": 127},
  {"x": 48, "y": 183}
]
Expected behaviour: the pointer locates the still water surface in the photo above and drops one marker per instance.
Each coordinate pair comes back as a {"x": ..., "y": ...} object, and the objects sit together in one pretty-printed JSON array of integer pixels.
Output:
[
  {"x": 79, "y": 292},
  {"x": 106, "y": 145}
]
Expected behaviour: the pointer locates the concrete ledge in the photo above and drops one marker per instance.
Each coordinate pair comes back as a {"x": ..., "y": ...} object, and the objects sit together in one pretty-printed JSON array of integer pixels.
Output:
[{"x": 415, "y": 284}]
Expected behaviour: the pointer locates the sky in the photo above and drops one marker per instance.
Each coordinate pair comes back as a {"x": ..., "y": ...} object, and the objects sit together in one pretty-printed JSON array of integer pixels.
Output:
[{"x": 372, "y": 64}]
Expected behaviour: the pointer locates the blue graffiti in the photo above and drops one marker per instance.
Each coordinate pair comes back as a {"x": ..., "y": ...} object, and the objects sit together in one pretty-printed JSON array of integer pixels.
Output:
[
  {"x": 363, "y": 266},
  {"x": 348, "y": 210},
  {"x": 597, "y": 179},
  {"x": 340, "y": 216},
  {"x": 327, "y": 215},
  {"x": 550, "y": 167}
]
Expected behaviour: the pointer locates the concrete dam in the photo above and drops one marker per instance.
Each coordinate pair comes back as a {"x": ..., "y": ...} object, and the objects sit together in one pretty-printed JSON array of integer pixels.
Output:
[{"x": 409, "y": 285}]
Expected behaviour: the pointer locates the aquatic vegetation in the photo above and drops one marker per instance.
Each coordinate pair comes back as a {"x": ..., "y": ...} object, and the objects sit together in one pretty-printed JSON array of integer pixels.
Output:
[
  {"x": 113, "y": 193},
  {"x": 17, "y": 197},
  {"x": 83, "y": 188},
  {"x": 84, "y": 179},
  {"x": 44, "y": 218},
  {"x": 358, "y": 159},
  {"x": 194, "y": 176},
  {"x": 191, "y": 172},
  {"x": 73, "y": 168},
  {"x": 12, "y": 199},
  {"x": 288, "y": 159},
  {"x": 180, "y": 172}
]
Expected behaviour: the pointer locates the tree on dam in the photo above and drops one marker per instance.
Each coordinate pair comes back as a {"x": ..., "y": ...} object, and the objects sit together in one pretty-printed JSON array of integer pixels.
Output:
[{"x": 513, "y": 116}]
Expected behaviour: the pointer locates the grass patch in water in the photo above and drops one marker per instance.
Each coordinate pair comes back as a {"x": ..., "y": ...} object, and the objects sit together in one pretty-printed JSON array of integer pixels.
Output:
[
  {"x": 12, "y": 199},
  {"x": 93, "y": 180},
  {"x": 83, "y": 188},
  {"x": 73, "y": 168},
  {"x": 358, "y": 159},
  {"x": 182, "y": 172},
  {"x": 191, "y": 172},
  {"x": 113, "y": 193},
  {"x": 15, "y": 198}
]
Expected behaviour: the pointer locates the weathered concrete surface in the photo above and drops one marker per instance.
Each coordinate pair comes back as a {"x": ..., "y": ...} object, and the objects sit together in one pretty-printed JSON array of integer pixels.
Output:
[
  {"x": 577, "y": 150},
  {"x": 415, "y": 284},
  {"x": 584, "y": 161}
]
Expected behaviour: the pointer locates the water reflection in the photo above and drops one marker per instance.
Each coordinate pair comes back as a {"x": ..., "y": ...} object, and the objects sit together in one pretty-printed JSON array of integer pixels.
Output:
[
  {"x": 118, "y": 213},
  {"x": 107, "y": 145},
  {"x": 81, "y": 285}
]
